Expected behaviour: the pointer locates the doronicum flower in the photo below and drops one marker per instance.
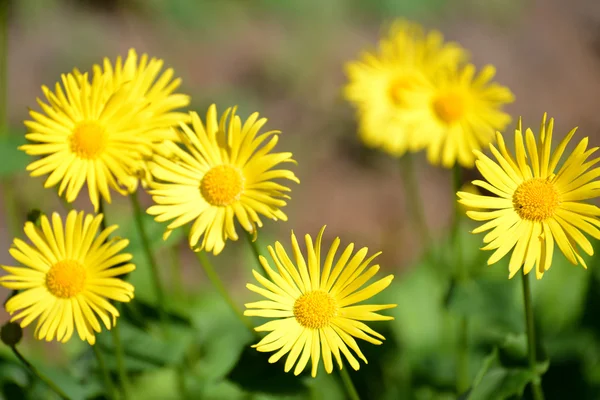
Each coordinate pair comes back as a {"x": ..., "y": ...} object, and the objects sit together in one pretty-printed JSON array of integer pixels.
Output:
[
  {"x": 317, "y": 305},
  {"x": 459, "y": 113},
  {"x": 225, "y": 172},
  {"x": 535, "y": 202},
  {"x": 147, "y": 83},
  {"x": 87, "y": 134},
  {"x": 381, "y": 83},
  {"x": 68, "y": 276}
]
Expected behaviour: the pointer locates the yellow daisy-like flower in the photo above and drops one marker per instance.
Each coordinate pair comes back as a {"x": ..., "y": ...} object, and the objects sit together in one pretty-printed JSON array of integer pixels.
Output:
[
  {"x": 317, "y": 308},
  {"x": 146, "y": 83},
  {"x": 69, "y": 275},
  {"x": 380, "y": 84},
  {"x": 459, "y": 113},
  {"x": 224, "y": 173},
  {"x": 85, "y": 136},
  {"x": 536, "y": 204}
]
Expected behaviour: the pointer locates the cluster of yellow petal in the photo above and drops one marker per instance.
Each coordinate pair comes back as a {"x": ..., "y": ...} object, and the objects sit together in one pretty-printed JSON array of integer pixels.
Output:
[
  {"x": 68, "y": 275},
  {"x": 99, "y": 129},
  {"x": 316, "y": 304},
  {"x": 536, "y": 203},
  {"x": 417, "y": 92},
  {"x": 224, "y": 172}
]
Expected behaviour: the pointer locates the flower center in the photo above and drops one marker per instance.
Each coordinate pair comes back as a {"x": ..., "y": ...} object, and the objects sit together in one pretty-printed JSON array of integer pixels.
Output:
[
  {"x": 88, "y": 140},
  {"x": 315, "y": 309},
  {"x": 400, "y": 86},
  {"x": 66, "y": 279},
  {"x": 449, "y": 107},
  {"x": 536, "y": 199},
  {"x": 222, "y": 185}
]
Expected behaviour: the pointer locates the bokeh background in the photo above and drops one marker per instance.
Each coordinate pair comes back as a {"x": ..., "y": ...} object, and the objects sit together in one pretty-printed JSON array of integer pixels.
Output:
[{"x": 285, "y": 59}]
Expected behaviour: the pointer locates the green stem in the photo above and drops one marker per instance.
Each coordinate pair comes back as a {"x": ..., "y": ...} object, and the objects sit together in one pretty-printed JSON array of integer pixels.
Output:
[
  {"x": 116, "y": 337},
  {"x": 218, "y": 284},
  {"x": 116, "y": 331},
  {"x": 178, "y": 288},
  {"x": 176, "y": 270},
  {"x": 254, "y": 247},
  {"x": 8, "y": 192},
  {"x": 181, "y": 386},
  {"x": 37, "y": 373},
  {"x": 413, "y": 199},
  {"x": 536, "y": 385},
  {"x": 158, "y": 289},
  {"x": 462, "y": 275},
  {"x": 461, "y": 271},
  {"x": 350, "y": 389},
  {"x": 105, "y": 374}
]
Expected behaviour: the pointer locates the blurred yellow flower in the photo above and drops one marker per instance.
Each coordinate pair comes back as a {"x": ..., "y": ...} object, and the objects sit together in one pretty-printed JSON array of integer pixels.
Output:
[
  {"x": 535, "y": 204},
  {"x": 69, "y": 275},
  {"x": 316, "y": 309},
  {"x": 224, "y": 173},
  {"x": 472, "y": 189},
  {"x": 381, "y": 83},
  {"x": 459, "y": 113},
  {"x": 86, "y": 136}
]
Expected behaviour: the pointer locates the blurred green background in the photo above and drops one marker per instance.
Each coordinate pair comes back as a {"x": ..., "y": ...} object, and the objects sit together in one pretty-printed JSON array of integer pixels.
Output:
[{"x": 285, "y": 58}]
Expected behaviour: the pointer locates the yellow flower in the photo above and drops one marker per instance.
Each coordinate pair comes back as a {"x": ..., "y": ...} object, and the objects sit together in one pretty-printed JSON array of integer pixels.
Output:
[
  {"x": 84, "y": 136},
  {"x": 224, "y": 173},
  {"x": 68, "y": 278},
  {"x": 146, "y": 83},
  {"x": 380, "y": 84},
  {"x": 317, "y": 309},
  {"x": 535, "y": 205},
  {"x": 459, "y": 113}
]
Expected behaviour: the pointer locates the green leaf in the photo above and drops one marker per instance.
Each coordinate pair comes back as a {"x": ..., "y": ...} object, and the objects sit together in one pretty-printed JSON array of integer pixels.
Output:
[
  {"x": 419, "y": 318},
  {"x": 254, "y": 373},
  {"x": 497, "y": 382},
  {"x": 424, "y": 328},
  {"x": 13, "y": 159},
  {"x": 220, "y": 336},
  {"x": 144, "y": 350},
  {"x": 559, "y": 298},
  {"x": 160, "y": 384},
  {"x": 74, "y": 388},
  {"x": 218, "y": 390},
  {"x": 142, "y": 278},
  {"x": 12, "y": 372},
  {"x": 491, "y": 304}
]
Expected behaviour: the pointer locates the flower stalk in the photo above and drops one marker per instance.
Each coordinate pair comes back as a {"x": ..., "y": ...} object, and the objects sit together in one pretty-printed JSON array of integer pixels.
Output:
[
  {"x": 39, "y": 375},
  {"x": 156, "y": 280},
  {"x": 462, "y": 275},
  {"x": 415, "y": 204},
  {"x": 105, "y": 374},
  {"x": 350, "y": 389},
  {"x": 220, "y": 287},
  {"x": 536, "y": 384},
  {"x": 254, "y": 247},
  {"x": 115, "y": 331}
]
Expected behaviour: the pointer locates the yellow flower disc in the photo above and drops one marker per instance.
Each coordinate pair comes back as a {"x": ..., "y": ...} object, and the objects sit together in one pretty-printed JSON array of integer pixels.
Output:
[
  {"x": 314, "y": 310},
  {"x": 88, "y": 140},
  {"x": 536, "y": 199},
  {"x": 449, "y": 107},
  {"x": 66, "y": 279},
  {"x": 222, "y": 185}
]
